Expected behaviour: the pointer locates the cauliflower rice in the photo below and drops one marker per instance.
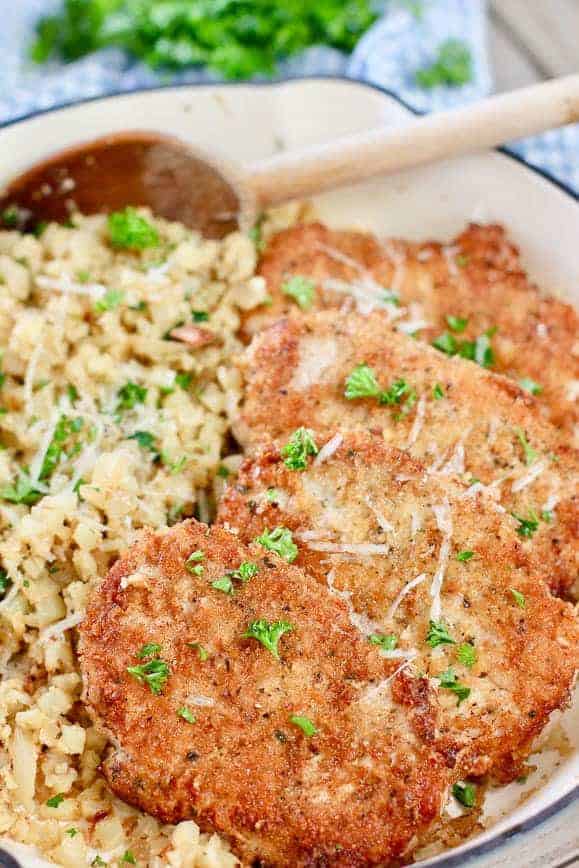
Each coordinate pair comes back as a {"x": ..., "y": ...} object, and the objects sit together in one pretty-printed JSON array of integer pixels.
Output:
[{"x": 106, "y": 427}]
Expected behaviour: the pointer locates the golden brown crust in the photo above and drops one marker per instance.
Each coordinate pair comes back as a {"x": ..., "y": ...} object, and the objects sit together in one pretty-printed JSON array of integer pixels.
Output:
[
  {"x": 367, "y": 493},
  {"x": 477, "y": 276},
  {"x": 295, "y": 374},
  {"x": 354, "y": 794}
]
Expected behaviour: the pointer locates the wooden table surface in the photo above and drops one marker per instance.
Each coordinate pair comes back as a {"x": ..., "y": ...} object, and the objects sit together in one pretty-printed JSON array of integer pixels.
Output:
[{"x": 531, "y": 40}]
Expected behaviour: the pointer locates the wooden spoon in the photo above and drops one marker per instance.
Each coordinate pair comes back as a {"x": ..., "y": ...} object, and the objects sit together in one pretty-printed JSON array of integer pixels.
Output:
[{"x": 216, "y": 196}]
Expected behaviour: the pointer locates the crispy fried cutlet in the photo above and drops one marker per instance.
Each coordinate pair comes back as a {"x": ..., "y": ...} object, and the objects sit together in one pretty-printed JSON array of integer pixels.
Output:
[
  {"x": 455, "y": 416},
  {"x": 455, "y": 293},
  {"x": 439, "y": 579},
  {"x": 237, "y": 693}
]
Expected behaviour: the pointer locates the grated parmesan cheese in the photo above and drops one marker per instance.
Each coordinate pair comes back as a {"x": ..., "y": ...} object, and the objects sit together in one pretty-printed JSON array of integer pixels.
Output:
[
  {"x": 529, "y": 477},
  {"x": 61, "y": 627},
  {"x": 443, "y": 518},
  {"x": 328, "y": 449},
  {"x": 405, "y": 590},
  {"x": 418, "y": 422}
]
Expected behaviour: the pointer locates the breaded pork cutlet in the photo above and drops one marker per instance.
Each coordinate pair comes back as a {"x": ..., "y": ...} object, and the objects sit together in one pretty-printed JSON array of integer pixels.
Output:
[
  {"x": 331, "y": 370},
  {"x": 236, "y": 692},
  {"x": 451, "y": 294},
  {"x": 438, "y": 580}
]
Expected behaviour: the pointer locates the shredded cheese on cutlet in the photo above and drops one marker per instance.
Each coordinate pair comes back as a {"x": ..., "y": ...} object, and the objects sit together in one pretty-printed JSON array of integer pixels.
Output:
[
  {"x": 362, "y": 549},
  {"x": 57, "y": 629},
  {"x": 366, "y": 291},
  {"x": 361, "y": 622},
  {"x": 450, "y": 252},
  {"x": 551, "y": 502},
  {"x": 328, "y": 449},
  {"x": 409, "y": 586},
  {"x": 29, "y": 378},
  {"x": 529, "y": 477},
  {"x": 443, "y": 518},
  {"x": 201, "y": 701},
  {"x": 418, "y": 422},
  {"x": 416, "y": 523},
  {"x": 398, "y": 258},
  {"x": 455, "y": 464},
  {"x": 375, "y": 692},
  {"x": 382, "y": 520}
]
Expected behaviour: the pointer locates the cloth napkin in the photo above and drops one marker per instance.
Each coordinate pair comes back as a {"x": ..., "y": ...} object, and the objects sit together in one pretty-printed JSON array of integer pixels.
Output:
[{"x": 388, "y": 56}]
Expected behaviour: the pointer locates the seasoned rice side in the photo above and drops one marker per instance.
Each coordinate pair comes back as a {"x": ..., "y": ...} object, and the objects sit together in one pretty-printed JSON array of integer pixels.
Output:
[{"x": 107, "y": 426}]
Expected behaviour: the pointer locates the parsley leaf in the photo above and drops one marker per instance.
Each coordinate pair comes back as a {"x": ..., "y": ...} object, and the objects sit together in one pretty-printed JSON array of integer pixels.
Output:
[
  {"x": 464, "y": 556},
  {"x": 527, "y": 526},
  {"x": 362, "y": 383},
  {"x": 223, "y": 584},
  {"x": 268, "y": 633},
  {"x": 110, "y": 300},
  {"x": 151, "y": 649},
  {"x": 449, "y": 681},
  {"x": 385, "y": 642},
  {"x": 146, "y": 441},
  {"x": 457, "y": 323},
  {"x": 183, "y": 381},
  {"x": 437, "y": 392},
  {"x": 280, "y": 541},
  {"x": 128, "y": 858},
  {"x": 22, "y": 492},
  {"x": 5, "y": 583},
  {"x": 300, "y": 446},
  {"x": 465, "y": 794},
  {"x": 303, "y": 723},
  {"x": 130, "y": 395},
  {"x": 479, "y": 350},
  {"x": 530, "y": 386},
  {"x": 65, "y": 429},
  {"x": 72, "y": 832},
  {"x": 246, "y": 571},
  {"x": 55, "y": 801},
  {"x": 466, "y": 654},
  {"x": 201, "y": 651},
  {"x": 519, "y": 598},
  {"x": 530, "y": 454},
  {"x": 438, "y": 635},
  {"x": 199, "y": 315},
  {"x": 452, "y": 66},
  {"x": 155, "y": 674},
  {"x": 301, "y": 290},
  {"x": 129, "y": 231},
  {"x": 186, "y": 714}
]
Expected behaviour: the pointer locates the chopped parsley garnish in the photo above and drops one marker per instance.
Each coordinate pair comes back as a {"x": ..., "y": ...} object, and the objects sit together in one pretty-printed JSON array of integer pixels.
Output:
[
  {"x": 280, "y": 541},
  {"x": 22, "y": 492},
  {"x": 547, "y": 515},
  {"x": 200, "y": 315},
  {"x": 129, "y": 231},
  {"x": 97, "y": 862},
  {"x": 256, "y": 235},
  {"x": 155, "y": 674},
  {"x": 466, "y": 654},
  {"x": 65, "y": 429},
  {"x": 186, "y": 714},
  {"x": 201, "y": 651},
  {"x": 449, "y": 681},
  {"x": 437, "y": 392},
  {"x": 272, "y": 495},
  {"x": 223, "y": 471},
  {"x": 246, "y": 571},
  {"x": 146, "y": 441},
  {"x": 362, "y": 383},
  {"x": 479, "y": 350},
  {"x": 518, "y": 598},
  {"x": 110, "y": 300},
  {"x": 151, "y": 649},
  {"x": 268, "y": 633},
  {"x": 530, "y": 453},
  {"x": 527, "y": 526},
  {"x": 465, "y": 794},
  {"x": 465, "y": 556},
  {"x": 300, "y": 446},
  {"x": 129, "y": 858},
  {"x": 303, "y": 723},
  {"x": 391, "y": 298},
  {"x": 130, "y": 395},
  {"x": 301, "y": 290},
  {"x": 438, "y": 635},
  {"x": 385, "y": 642},
  {"x": 72, "y": 393},
  {"x": 174, "y": 467},
  {"x": 5, "y": 583},
  {"x": 224, "y": 584},
  {"x": 55, "y": 801},
  {"x": 452, "y": 66},
  {"x": 457, "y": 323},
  {"x": 193, "y": 565},
  {"x": 184, "y": 381},
  {"x": 530, "y": 386},
  {"x": 72, "y": 832},
  {"x": 11, "y": 217}
]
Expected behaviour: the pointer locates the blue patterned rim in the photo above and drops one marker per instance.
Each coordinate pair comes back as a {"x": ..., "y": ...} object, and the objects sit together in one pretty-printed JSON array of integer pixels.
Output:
[{"x": 458, "y": 860}]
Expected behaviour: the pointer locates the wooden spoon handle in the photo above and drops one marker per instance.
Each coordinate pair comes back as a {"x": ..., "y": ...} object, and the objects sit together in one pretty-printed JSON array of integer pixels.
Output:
[{"x": 478, "y": 126}]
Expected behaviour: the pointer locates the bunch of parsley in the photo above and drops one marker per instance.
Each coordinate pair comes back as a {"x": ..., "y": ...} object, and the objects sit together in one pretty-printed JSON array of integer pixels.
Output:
[{"x": 235, "y": 38}]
